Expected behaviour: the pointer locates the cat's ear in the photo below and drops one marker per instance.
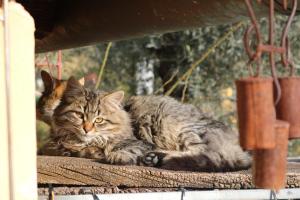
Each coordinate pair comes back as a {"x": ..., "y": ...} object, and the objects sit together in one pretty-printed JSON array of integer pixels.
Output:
[
  {"x": 48, "y": 81},
  {"x": 81, "y": 81},
  {"x": 74, "y": 89},
  {"x": 116, "y": 97},
  {"x": 114, "y": 100}
]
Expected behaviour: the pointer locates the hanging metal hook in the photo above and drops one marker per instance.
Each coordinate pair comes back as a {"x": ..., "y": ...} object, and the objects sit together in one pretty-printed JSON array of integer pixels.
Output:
[
  {"x": 253, "y": 56},
  {"x": 285, "y": 57},
  {"x": 271, "y": 53},
  {"x": 270, "y": 48}
]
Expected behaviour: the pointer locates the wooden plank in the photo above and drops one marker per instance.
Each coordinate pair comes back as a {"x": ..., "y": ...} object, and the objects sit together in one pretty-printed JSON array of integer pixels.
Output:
[
  {"x": 18, "y": 159},
  {"x": 80, "y": 172},
  {"x": 4, "y": 164}
]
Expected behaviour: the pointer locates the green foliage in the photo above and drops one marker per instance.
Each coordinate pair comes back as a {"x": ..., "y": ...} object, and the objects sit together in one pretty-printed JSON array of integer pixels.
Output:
[
  {"x": 211, "y": 86},
  {"x": 294, "y": 147},
  {"x": 42, "y": 130}
]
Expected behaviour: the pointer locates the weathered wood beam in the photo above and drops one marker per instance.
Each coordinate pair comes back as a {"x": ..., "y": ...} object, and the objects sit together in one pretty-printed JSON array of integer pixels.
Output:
[
  {"x": 71, "y": 23},
  {"x": 79, "y": 171}
]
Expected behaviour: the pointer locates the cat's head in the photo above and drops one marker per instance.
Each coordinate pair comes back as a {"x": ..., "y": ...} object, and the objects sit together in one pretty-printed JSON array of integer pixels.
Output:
[
  {"x": 51, "y": 96},
  {"x": 89, "y": 113}
]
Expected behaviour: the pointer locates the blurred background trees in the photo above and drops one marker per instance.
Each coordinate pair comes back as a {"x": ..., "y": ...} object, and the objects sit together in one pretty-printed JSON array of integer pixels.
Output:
[{"x": 153, "y": 64}]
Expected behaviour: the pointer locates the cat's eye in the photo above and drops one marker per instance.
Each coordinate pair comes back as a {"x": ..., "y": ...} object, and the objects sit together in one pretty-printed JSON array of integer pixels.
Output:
[
  {"x": 99, "y": 120},
  {"x": 79, "y": 114}
]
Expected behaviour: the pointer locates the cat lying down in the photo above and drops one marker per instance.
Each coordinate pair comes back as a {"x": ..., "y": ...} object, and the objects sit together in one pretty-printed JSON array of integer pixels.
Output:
[{"x": 155, "y": 131}]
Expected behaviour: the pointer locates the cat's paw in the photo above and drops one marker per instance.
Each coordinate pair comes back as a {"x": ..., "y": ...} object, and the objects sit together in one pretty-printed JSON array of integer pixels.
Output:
[
  {"x": 98, "y": 141},
  {"x": 73, "y": 146},
  {"x": 66, "y": 153},
  {"x": 122, "y": 158},
  {"x": 153, "y": 159}
]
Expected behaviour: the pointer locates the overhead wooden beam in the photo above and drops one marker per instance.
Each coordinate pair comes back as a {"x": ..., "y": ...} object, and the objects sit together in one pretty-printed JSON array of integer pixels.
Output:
[
  {"x": 71, "y": 23},
  {"x": 79, "y": 171}
]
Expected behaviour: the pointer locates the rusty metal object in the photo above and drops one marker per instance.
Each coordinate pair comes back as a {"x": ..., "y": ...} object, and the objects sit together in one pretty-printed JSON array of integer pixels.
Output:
[
  {"x": 285, "y": 56},
  {"x": 288, "y": 108},
  {"x": 256, "y": 113},
  {"x": 58, "y": 65},
  {"x": 270, "y": 48},
  {"x": 261, "y": 48},
  {"x": 71, "y": 23},
  {"x": 269, "y": 168}
]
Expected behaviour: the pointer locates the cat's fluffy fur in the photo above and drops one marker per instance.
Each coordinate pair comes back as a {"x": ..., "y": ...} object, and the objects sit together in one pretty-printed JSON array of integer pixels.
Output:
[
  {"x": 47, "y": 103},
  {"x": 184, "y": 136},
  {"x": 50, "y": 99},
  {"x": 92, "y": 118},
  {"x": 166, "y": 133},
  {"x": 51, "y": 96}
]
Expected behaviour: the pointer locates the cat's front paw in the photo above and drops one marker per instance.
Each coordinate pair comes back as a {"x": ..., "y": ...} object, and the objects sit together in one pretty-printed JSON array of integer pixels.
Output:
[
  {"x": 98, "y": 141},
  {"x": 66, "y": 153},
  {"x": 153, "y": 159},
  {"x": 122, "y": 158}
]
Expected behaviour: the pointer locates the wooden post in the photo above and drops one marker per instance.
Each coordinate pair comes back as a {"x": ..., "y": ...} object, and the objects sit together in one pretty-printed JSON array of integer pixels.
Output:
[
  {"x": 4, "y": 162},
  {"x": 17, "y": 130}
]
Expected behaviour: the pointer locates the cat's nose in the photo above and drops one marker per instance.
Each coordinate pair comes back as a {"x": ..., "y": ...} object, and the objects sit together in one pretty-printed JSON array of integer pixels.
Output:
[{"x": 88, "y": 126}]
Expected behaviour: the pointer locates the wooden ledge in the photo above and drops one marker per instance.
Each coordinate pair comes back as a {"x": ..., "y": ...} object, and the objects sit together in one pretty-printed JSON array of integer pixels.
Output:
[{"x": 85, "y": 172}]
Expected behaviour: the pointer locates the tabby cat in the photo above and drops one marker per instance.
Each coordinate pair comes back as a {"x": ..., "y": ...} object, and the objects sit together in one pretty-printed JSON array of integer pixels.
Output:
[
  {"x": 51, "y": 96},
  {"x": 153, "y": 131},
  {"x": 50, "y": 99},
  {"x": 184, "y": 137},
  {"x": 87, "y": 118}
]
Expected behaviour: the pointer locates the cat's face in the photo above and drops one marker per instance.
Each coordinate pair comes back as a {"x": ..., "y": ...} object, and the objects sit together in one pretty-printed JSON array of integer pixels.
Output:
[
  {"x": 51, "y": 96},
  {"x": 89, "y": 113}
]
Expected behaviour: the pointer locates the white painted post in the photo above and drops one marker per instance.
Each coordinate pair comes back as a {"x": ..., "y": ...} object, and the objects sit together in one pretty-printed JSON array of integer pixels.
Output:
[{"x": 18, "y": 149}]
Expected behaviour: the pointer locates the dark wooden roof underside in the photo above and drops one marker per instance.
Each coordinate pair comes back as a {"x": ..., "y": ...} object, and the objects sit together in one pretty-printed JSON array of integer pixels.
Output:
[{"x": 71, "y": 23}]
